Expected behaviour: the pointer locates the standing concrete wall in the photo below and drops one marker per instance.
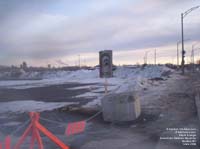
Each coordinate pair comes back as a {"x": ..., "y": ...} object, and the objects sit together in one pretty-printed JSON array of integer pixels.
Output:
[{"x": 121, "y": 107}]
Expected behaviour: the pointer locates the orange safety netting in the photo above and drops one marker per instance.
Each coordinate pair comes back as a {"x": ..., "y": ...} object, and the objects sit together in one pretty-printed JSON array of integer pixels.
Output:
[{"x": 35, "y": 127}]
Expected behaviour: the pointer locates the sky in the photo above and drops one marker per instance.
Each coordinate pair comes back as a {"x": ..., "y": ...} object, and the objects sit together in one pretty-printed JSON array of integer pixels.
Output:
[{"x": 58, "y": 32}]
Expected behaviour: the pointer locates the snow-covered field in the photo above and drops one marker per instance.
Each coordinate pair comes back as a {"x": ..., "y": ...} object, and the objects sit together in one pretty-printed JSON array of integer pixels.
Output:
[
  {"x": 121, "y": 76},
  {"x": 124, "y": 79}
]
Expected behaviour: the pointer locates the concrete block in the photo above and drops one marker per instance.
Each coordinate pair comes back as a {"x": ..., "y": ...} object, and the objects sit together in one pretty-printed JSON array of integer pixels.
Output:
[{"x": 121, "y": 107}]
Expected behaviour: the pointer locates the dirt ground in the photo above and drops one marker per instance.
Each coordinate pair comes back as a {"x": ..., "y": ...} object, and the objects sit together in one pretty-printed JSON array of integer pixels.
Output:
[{"x": 165, "y": 104}]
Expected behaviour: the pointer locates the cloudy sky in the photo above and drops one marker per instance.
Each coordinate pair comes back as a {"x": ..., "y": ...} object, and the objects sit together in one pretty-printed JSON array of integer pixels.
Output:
[{"x": 55, "y": 32}]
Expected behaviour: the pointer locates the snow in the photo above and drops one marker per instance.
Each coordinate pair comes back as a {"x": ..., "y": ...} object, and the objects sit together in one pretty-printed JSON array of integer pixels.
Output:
[
  {"x": 121, "y": 75},
  {"x": 30, "y": 106},
  {"x": 11, "y": 124},
  {"x": 124, "y": 79},
  {"x": 95, "y": 103}
]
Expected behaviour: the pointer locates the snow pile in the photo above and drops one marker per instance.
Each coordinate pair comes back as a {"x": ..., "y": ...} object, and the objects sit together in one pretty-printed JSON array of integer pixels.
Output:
[
  {"x": 54, "y": 74},
  {"x": 148, "y": 72},
  {"x": 121, "y": 73},
  {"x": 30, "y": 75},
  {"x": 126, "y": 79},
  {"x": 20, "y": 74}
]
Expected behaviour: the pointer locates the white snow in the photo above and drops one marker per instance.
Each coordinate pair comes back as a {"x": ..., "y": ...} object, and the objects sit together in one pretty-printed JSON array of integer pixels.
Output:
[
  {"x": 11, "y": 124},
  {"x": 31, "y": 106},
  {"x": 88, "y": 94},
  {"x": 121, "y": 75},
  {"x": 94, "y": 104},
  {"x": 124, "y": 79}
]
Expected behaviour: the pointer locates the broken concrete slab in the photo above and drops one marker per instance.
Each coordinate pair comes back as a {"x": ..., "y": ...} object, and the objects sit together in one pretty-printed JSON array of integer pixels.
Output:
[{"x": 121, "y": 107}]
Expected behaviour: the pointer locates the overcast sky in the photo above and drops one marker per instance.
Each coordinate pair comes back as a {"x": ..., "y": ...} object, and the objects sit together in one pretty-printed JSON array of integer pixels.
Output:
[{"x": 57, "y": 31}]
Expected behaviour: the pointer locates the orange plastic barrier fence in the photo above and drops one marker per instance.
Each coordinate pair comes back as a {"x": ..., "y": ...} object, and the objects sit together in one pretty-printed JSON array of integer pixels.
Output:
[
  {"x": 51, "y": 136},
  {"x": 8, "y": 142},
  {"x": 34, "y": 128}
]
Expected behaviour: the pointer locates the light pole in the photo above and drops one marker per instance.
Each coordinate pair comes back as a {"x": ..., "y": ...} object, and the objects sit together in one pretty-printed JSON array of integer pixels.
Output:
[
  {"x": 145, "y": 57},
  {"x": 155, "y": 56},
  {"x": 178, "y": 53},
  {"x": 192, "y": 55},
  {"x": 178, "y": 50},
  {"x": 79, "y": 61},
  {"x": 183, "y": 15}
]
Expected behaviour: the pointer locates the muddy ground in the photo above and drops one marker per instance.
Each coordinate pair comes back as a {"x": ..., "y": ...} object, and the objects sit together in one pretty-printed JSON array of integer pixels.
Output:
[{"x": 165, "y": 104}]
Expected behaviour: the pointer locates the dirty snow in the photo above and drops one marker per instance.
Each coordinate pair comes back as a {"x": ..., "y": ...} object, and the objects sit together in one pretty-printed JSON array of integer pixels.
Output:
[
  {"x": 30, "y": 105},
  {"x": 121, "y": 75},
  {"x": 124, "y": 79}
]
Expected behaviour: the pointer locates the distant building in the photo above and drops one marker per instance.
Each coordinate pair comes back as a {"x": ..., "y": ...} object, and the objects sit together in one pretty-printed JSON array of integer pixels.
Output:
[
  {"x": 24, "y": 66},
  {"x": 49, "y": 66}
]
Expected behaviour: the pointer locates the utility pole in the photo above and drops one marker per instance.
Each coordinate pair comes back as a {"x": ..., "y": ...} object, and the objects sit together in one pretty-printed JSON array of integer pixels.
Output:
[
  {"x": 183, "y": 51},
  {"x": 155, "y": 57},
  {"x": 193, "y": 59},
  {"x": 192, "y": 56},
  {"x": 144, "y": 60},
  {"x": 177, "y": 55},
  {"x": 146, "y": 57},
  {"x": 178, "y": 50},
  {"x": 79, "y": 61}
]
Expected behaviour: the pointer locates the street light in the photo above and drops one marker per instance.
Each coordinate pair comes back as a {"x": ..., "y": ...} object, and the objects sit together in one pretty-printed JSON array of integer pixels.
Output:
[{"x": 183, "y": 15}]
